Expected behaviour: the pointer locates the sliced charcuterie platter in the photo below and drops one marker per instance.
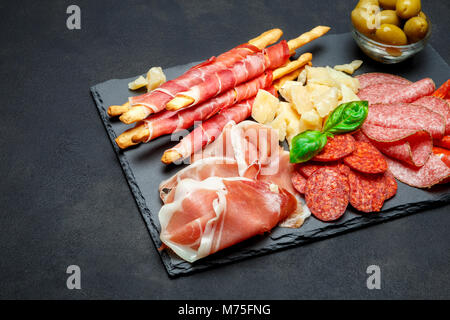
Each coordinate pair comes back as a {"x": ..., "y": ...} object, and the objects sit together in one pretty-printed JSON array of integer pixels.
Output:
[{"x": 144, "y": 171}]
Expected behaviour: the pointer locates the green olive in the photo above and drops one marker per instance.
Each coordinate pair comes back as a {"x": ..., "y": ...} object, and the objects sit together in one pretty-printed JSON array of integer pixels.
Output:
[
  {"x": 422, "y": 15},
  {"x": 388, "y": 4},
  {"x": 363, "y": 21},
  {"x": 388, "y": 16},
  {"x": 363, "y": 3},
  {"x": 416, "y": 28},
  {"x": 407, "y": 8},
  {"x": 391, "y": 34}
]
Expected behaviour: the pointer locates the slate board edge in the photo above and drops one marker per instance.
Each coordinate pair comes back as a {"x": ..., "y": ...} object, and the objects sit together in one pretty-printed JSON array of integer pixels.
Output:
[{"x": 140, "y": 200}]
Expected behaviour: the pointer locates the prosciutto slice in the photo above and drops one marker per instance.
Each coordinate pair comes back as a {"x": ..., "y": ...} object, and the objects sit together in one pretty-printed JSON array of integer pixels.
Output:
[
  {"x": 156, "y": 100},
  {"x": 239, "y": 188},
  {"x": 248, "y": 68},
  {"x": 206, "y": 216},
  {"x": 166, "y": 122},
  {"x": 209, "y": 130}
]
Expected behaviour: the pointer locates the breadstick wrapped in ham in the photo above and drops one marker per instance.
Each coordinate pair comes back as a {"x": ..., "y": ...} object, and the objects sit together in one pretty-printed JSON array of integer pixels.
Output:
[
  {"x": 166, "y": 122},
  {"x": 140, "y": 107},
  {"x": 209, "y": 130},
  {"x": 248, "y": 68}
]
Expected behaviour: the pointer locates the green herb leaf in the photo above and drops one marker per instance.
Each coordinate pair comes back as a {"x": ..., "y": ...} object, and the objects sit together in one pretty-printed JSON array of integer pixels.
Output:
[
  {"x": 347, "y": 117},
  {"x": 306, "y": 145}
]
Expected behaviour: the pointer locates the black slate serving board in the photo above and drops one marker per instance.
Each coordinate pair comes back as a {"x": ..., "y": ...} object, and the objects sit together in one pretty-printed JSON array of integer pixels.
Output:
[{"x": 144, "y": 171}]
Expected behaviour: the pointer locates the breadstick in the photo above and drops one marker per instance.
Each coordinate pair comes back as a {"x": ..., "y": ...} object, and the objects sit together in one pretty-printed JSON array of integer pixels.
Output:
[
  {"x": 307, "y": 37},
  {"x": 125, "y": 139},
  {"x": 267, "y": 38},
  {"x": 136, "y": 112},
  {"x": 114, "y": 111},
  {"x": 292, "y": 66},
  {"x": 289, "y": 77}
]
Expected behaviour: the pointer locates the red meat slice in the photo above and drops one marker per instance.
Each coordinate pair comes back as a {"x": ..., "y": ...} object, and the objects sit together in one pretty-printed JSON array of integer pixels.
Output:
[
  {"x": 327, "y": 194},
  {"x": 366, "y": 158},
  {"x": 437, "y": 105},
  {"x": 433, "y": 172},
  {"x": 398, "y": 93},
  {"x": 371, "y": 78},
  {"x": 406, "y": 117},
  {"x": 336, "y": 148}
]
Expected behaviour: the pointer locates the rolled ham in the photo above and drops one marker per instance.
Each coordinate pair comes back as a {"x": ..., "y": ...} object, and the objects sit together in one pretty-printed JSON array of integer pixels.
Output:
[
  {"x": 156, "y": 100},
  {"x": 167, "y": 122},
  {"x": 242, "y": 71}
]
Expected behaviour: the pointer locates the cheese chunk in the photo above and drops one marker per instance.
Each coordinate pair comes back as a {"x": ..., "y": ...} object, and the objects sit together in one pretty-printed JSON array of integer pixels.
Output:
[
  {"x": 319, "y": 75},
  {"x": 264, "y": 107},
  {"x": 342, "y": 78},
  {"x": 286, "y": 89},
  {"x": 279, "y": 124},
  {"x": 302, "y": 77},
  {"x": 327, "y": 101},
  {"x": 349, "y": 67},
  {"x": 312, "y": 119},
  {"x": 291, "y": 117},
  {"x": 138, "y": 83},
  {"x": 347, "y": 95},
  {"x": 155, "y": 78},
  {"x": 301, "y": 99}
]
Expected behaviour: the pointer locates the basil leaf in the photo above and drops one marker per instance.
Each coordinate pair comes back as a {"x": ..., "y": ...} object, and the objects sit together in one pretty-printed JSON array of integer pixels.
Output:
[
  {"x": 306, "y": 145},
  {"x": 347, "y": 117}
]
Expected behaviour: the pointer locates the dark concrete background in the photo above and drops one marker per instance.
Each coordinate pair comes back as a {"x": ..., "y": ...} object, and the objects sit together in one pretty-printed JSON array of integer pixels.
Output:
[{"x": 64, "y": 199}]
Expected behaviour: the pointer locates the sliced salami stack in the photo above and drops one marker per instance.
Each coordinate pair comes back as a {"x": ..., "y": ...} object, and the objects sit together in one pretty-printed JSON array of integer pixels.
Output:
[
  {"x": 345, "y": 172},
  {"x": 404, "y": 122}
]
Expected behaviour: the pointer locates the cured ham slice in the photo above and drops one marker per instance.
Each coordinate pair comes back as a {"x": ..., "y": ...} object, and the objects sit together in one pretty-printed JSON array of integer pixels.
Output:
[
  {"x": 433, "y": 172},
  {"x": 244, "y": 70},
  {"x": 403, "y": 116},
  {"x": 209, "y": 215},
  {"x": 437, "y": 105},
  {"x": 398, "y": 93},
  {"x": 414, "y": 150},
  {"x": 156, "y": 100},
  {"x": 166, "y": 122},
  {"x": 240, "y": 187},
  {"x": 209, "y": 130},
  {"x": 369, "y": 79}
]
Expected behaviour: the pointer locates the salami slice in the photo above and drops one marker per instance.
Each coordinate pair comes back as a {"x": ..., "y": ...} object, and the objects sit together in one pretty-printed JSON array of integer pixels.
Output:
[
  {"x": 309, "y": 168},
  {"x": 298, "y": 181},
  {"x": 444, "y": 142},
  {"x": 327, "y": 194},
  {"x": 371, "y": 78},
  {"x": 437, "y": 105},
  {"x": 375, "y": 93},
  {"x": 390, "y": 185},
  {"x": 366, "y": 158},
  {"x": 367, "y": 191},
  {"x": 403, "y": 116},
  {"x": 407, "y": 94},
  {"x": 336, "y": 148},
  {"x": 414, "y": 150},
  {"x": 433, "y": 172}
]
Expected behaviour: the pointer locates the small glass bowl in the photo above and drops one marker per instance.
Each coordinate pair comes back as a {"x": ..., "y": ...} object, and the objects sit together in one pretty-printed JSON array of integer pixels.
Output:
[{"x": 389, "y": 54}]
